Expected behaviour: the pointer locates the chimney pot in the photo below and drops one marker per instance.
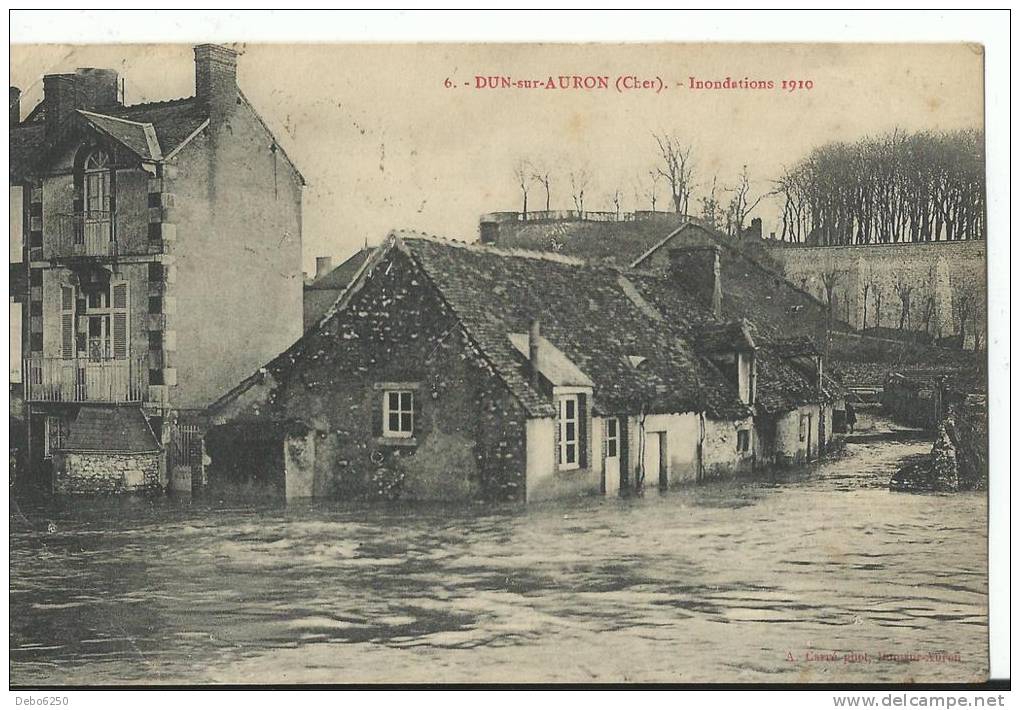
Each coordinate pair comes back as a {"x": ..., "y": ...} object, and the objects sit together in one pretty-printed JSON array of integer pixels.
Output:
[
  {"x": 534, "y": 333},
  {"x": 14, "y": 104},
  {"x": 323, "y": 265},
  {"x": 697, "y": 270}
]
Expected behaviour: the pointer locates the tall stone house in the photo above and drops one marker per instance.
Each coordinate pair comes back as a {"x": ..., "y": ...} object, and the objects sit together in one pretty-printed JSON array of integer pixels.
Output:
[
  {"x": 160, "y": 260},
  {"x": 451, "y": 371}
]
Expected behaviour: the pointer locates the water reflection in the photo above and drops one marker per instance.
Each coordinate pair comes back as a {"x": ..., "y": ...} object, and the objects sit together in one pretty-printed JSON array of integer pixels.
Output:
[{"x": 720, "y": 582}]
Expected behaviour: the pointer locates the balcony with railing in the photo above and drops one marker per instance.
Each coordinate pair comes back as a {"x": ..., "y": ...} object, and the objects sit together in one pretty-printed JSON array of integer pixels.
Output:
[
  {"x": 91, "y": 233},
  {"x": 84, "y": 379}
]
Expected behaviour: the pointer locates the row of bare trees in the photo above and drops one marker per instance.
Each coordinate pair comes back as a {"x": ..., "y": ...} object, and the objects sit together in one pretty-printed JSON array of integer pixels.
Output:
[
  {"x": 898, "y": 187},
  {"x": 727, "y": 207},
  {"x": 916, "y": 299}
]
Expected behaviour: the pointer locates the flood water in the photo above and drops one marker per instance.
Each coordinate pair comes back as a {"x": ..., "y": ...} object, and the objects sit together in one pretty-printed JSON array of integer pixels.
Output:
[{"x": 743, "y": 581}]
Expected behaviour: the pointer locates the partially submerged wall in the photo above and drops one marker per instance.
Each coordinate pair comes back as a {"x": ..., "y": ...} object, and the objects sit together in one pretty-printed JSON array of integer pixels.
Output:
[{"x": 88, "y": 472}]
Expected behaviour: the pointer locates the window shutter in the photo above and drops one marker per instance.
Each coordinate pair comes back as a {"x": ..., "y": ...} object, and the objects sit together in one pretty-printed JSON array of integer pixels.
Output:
[
  {"x": 416, "y": 410},
  {"x": 67, "y": 322},
  {"x": 583, "y": 442},
  {"x": 121, "y": 336},
  {"x": 378, "y": 412},
  {"x": 622, "y": 449},
  {"x": 558, "y": 429}
]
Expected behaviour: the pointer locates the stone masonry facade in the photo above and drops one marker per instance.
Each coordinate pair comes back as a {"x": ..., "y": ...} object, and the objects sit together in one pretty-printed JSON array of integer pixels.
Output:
[{"x": 89, "y": 473}]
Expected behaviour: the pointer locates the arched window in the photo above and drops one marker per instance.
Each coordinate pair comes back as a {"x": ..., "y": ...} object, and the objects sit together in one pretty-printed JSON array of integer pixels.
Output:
[
  {"x": 97, "y": 184},
  {"x": 93, "y": 217}
]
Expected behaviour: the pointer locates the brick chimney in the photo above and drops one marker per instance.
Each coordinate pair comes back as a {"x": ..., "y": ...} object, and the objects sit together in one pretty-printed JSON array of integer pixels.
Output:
[
  {"x": 697, "y": 270},
  {"x": 61, "y": 98},
  {"x": 534, "y": 333},
  {"x": 14, "y": 105},
  {"x": 323, "y": 265},
  {"x": 216, "y": 80}
]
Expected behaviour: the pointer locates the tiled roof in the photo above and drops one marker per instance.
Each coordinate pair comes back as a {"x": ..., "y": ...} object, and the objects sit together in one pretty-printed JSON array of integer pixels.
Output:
[
  {"x": 749, "y": 288},
  {"x": 585, "y": 312},
  {"x": 633, "y": 333},
  {"x": 780, "y": 386},
  {"x": 171, "y": 121},
  {"x": 796, "y": 345},
  {"x": 140, "y": 138},
  {"x": 617, "y": 243},
  {"x": 111, "y": 430}
]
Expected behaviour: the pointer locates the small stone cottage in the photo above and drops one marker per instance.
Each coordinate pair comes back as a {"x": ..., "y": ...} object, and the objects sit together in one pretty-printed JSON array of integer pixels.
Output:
[{"x": 455, "y": 371}]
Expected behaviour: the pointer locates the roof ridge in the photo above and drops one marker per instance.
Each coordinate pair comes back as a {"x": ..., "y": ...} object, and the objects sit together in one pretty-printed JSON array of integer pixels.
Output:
[
  {"x": 497, "y": 251},
  {"x": 150, "y": 104}
]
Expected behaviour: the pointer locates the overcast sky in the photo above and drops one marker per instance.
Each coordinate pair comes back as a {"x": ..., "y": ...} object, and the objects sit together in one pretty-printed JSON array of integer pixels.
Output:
[{"x": 383, "y": 144}]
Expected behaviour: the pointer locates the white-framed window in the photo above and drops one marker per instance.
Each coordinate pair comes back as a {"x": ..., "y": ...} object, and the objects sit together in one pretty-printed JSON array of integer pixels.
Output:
[
  {"x": 398, "y": 413},
  {"x": 103, "y": 329},
  {"x": 743, "y": 440},
  {"x": 612, "y": 438},
  {"x": 52, "y": 439},
  {"x": 570, "y": 455},
  {"x": 805, "y": 423}
]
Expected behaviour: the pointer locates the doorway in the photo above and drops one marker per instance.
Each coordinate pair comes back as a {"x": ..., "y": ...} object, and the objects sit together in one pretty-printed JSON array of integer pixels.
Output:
[
  {"x": 611, "y": 465},
  {"x": 656, "y": 469}
]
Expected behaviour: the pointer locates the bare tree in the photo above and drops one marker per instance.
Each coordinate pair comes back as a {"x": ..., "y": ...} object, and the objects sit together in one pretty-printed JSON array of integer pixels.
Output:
[
  {"x": 879, "y": 292},
  {"x": 677, "y": 168},
  {"x": 966, "y": 301},
  {"x": 711, "y": 208},
  {"x": 926, "y": 186},
  {"x": 830, "y": 279},
  {"x": 615, "y": 196},
  {"x": 653, "y": 187},
  {"x": 928, "y": 311},
  {"x": 579, "y": 181},
  {"x": 865, "y": 289},
  {"x": 741, "y": 204},
  {"x": 521, "y": 174},
  {"x": 904, "y": 289},
  {"x": 540, "y": 174}
]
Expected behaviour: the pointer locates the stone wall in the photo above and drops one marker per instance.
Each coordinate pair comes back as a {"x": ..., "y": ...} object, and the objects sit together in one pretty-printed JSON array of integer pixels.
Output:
[
  {"x": 84, "y": 473},
  {"x": 947, "y": 282}
]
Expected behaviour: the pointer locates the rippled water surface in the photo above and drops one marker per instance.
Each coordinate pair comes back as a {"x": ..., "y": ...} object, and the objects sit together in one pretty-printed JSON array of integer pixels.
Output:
[{"x": 748, "y": 580}]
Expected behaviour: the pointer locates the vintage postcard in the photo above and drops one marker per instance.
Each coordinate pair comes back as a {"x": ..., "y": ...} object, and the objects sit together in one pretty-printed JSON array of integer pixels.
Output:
[{"x": 498, "y": 363}]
